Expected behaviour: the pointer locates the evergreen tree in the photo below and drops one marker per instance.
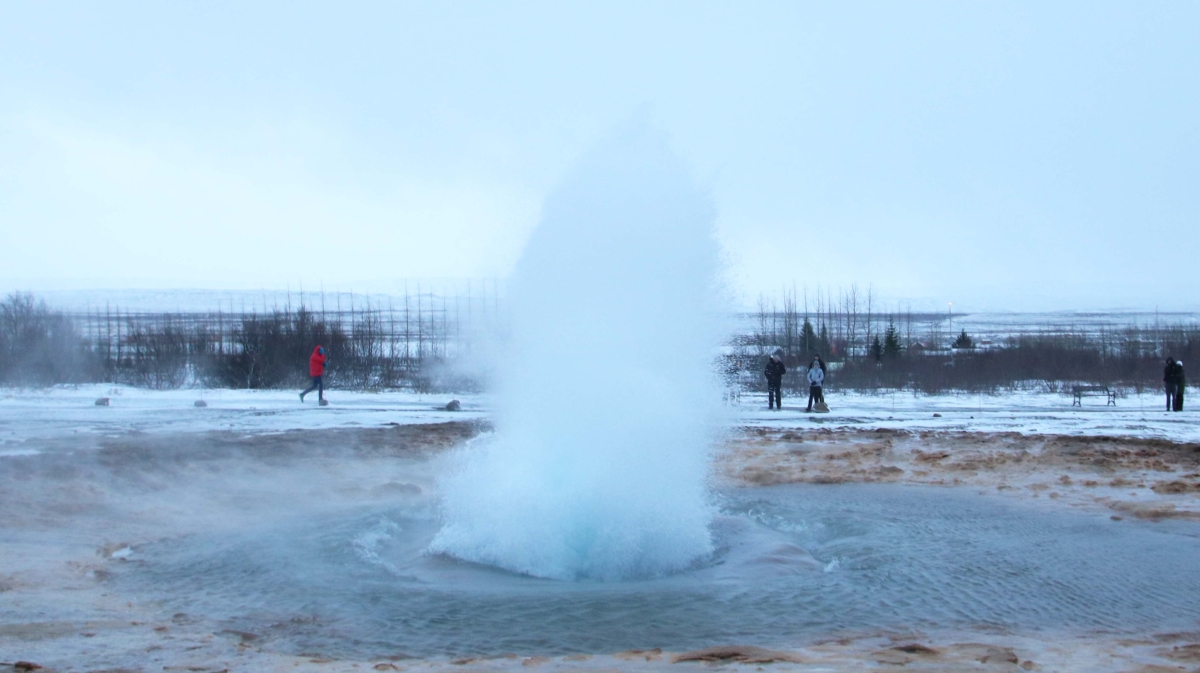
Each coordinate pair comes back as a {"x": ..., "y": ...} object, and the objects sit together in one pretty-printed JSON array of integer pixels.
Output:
[
  {"x": 891, "y": 341},
  {"x": 964, "y": 341},
  {"x": 877, "y": 349},
  {"x": 808, "y": 338},
  {"x": 823, "y": 340}
]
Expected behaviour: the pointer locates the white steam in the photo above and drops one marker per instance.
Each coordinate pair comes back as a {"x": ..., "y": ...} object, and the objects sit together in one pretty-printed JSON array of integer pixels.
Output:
[{"x": 607, "y": 401}]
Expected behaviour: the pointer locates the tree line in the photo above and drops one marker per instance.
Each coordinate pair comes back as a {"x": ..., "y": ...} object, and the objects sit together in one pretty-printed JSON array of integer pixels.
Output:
[
  {"x": 870, "y": 349},
  {"x": 412, "y": 344},
  {"x": 428, "y": 342}
]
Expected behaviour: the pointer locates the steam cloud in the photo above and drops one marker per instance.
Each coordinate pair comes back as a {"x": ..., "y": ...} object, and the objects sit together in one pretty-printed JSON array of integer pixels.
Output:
[{"x": 607, "y": 403}]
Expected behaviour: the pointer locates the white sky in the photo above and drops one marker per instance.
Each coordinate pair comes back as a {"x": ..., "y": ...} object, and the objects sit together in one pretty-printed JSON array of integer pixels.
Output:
[{"x": 999, "y": 155}]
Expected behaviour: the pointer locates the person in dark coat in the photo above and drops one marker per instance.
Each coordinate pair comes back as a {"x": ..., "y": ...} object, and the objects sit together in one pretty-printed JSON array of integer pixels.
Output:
[
  {"x": 1172, "y": 381},
  {"x": 316, "y": 369},
  {"x": 1181, "y": 383},
  {"x": 774, "y": 373}
]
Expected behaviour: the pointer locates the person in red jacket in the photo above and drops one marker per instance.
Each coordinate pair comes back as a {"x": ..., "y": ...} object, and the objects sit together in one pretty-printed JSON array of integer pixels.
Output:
[{"x": 316, "y": 369}]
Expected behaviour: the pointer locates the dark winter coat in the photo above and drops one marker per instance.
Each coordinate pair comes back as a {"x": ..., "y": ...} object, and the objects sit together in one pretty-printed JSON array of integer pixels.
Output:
[
  {"x": 316, "y": 363},
  {"x": 1173, "y": 373},
  {"x": 774, "y": 371}
]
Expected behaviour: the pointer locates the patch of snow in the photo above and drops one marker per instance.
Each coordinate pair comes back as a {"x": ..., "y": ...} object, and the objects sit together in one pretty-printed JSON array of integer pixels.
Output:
[
  {"x": 1140, "y": 416},
  {"x": 64, "y": 411}
]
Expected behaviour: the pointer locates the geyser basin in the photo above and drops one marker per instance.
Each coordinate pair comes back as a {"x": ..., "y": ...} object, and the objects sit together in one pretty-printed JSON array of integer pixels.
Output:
[{"x": 793, "y": 564}]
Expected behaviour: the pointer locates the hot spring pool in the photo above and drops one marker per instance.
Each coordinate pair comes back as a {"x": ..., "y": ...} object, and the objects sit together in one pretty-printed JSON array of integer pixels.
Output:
[{"x": 794, "y": 563}]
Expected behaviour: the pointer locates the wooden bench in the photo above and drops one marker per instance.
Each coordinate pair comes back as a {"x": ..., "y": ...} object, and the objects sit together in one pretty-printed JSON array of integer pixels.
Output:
[{"x": 1080, "y": 391}]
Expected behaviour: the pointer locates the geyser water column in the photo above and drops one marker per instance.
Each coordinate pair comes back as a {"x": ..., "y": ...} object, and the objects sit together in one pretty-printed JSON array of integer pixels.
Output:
[{"x": 607, "y": 401}]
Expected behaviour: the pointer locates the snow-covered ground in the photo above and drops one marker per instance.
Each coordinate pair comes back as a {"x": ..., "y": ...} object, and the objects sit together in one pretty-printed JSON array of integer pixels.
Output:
[
  {"x": 1140, "y": 416},
  {"x": 62, "y": 411}
]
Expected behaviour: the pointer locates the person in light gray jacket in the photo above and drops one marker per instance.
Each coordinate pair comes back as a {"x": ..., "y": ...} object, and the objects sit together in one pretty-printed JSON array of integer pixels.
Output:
[{"x": 816, "y": 379}]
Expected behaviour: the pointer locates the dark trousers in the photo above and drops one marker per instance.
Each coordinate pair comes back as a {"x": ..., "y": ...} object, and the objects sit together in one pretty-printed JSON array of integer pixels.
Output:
[
  {"x": 318, "y": 385},
  {"x": 814, "y": 395},
  {"x": 1172, "y": 391},
  {"x": 774, "y": 394}
]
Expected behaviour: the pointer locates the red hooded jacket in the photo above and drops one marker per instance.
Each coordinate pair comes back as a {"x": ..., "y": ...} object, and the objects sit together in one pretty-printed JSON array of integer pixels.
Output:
[{"x": 316, "y": 363}]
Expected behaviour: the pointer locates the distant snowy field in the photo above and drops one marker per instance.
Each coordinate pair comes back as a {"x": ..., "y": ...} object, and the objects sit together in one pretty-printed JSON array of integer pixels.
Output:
[
  {"x": 62, "y": 411},
  {"x": 27, "y": 416},
  {"x": 1024, "y": 412}
]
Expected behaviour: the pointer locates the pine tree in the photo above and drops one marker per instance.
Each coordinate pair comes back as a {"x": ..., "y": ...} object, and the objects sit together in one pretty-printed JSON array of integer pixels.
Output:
[
  {"x": 808, "y": 338},
  {"x": 877, "y": 349},
  {"x": 964, "y": 341},
  {"x": 891, "y": 341}
]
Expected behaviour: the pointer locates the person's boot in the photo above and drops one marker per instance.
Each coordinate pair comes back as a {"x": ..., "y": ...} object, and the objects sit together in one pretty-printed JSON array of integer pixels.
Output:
[{"x": 301, "y": 398}]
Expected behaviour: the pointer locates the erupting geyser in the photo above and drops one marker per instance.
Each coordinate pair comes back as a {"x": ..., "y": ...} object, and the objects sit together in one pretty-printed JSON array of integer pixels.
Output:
[{"x": 607, "y": 404}]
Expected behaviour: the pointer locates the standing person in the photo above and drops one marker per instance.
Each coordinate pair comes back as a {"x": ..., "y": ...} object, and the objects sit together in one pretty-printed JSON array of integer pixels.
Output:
[
  {"x": 774, "y": 373},
  {"x": 316, "y": 369},
  {"x": 1181, "y": 383},
  {"x": 816, "y": 379},
  {"x": 1172, "y": 373}
]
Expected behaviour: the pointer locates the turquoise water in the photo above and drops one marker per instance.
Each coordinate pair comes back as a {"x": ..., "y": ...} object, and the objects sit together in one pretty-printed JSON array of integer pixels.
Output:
[{"x": 794, "y": 564}]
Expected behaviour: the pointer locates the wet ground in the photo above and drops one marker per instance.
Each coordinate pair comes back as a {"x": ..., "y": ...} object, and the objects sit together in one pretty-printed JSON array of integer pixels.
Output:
[{"x": 846, "y": 549}]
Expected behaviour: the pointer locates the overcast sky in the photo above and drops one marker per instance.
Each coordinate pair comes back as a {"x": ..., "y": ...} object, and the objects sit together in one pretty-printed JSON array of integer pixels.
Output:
[{"x": 1039, "y": 155}]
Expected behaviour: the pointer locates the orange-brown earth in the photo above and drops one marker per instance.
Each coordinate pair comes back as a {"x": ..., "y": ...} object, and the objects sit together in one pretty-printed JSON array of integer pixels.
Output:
[{"x": 1145, "y": 478}]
